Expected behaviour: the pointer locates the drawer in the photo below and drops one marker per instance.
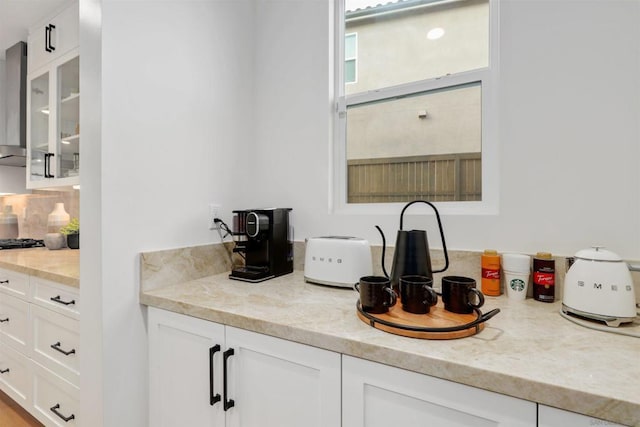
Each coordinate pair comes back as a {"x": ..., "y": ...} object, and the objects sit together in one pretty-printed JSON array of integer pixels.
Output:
[
  {"x": 56, "y": 341},
  {"x": 14, "y": 323},
  {"x": 55, "y": 401},
  {"x": 59, "y": 298},
  {"x": 14, "y": 283},
  {"x": 14, "y": 376}
]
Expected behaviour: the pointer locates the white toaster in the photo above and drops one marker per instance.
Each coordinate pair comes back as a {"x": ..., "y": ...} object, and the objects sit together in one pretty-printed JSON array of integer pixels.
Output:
[{"x": 337, "y": 260}]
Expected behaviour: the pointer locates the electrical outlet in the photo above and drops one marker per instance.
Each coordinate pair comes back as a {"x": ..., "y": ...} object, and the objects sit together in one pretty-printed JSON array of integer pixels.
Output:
[{"x": 214, "y": 210}]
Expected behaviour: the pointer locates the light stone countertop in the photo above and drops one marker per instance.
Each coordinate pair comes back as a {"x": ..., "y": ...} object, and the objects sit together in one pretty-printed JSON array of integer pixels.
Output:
[
  {"x": 61, "y": 266},
  {"x": 527, "y": 351}
]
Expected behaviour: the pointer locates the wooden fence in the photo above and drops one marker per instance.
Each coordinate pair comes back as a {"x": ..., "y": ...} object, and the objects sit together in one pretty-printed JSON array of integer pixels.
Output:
[{"x": 448, "y": 177}]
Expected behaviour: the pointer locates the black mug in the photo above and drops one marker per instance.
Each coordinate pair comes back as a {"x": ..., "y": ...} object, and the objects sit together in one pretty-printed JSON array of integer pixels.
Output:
[
  {"x": 376, "y": 295},
  {"x": 416, "y": 294},
  {"x": 458, "y": 294}
]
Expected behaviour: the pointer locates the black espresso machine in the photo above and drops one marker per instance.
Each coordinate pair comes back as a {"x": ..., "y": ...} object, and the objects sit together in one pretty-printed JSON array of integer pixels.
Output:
[{"x": 264, "y": 239}]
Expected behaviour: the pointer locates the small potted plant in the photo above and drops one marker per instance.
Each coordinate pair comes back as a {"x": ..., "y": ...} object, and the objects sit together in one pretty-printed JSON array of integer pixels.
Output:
[{"x": 72, "y": 231}]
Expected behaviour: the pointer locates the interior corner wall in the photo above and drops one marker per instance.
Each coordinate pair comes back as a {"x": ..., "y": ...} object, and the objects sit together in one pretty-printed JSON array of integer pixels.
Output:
[
  {"x": 567, "y": 118},
  {"x": 175, "y": 106}
]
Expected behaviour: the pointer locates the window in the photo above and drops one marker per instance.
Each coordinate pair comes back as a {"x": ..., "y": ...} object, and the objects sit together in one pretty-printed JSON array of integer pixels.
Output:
[
  {"x": 350, "y": 58},
  {"x": 415, "y": 116}
]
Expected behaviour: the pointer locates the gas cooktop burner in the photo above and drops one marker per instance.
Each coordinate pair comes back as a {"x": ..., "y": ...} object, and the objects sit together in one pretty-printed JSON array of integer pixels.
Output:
[{"x": 20, "y": 243}]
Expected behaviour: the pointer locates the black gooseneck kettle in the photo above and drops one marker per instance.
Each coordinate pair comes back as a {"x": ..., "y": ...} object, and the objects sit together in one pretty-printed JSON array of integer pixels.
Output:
[{"x": 412, "y": 251}]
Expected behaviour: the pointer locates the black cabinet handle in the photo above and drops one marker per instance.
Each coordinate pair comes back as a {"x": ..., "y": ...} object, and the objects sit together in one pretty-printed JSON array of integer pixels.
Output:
[
  {"x": 213, "y": 397},
  {"x": 4, "y": 371},
  {"x": 4, "y": 281},
  {"x": 4, "y": 320},
  {"x": 47, "y": 165},
  {"x": 55, "y": 408},
  {"x": 48, "y": 30},
  {"x": 60, "y": 301},
  {"x": 228, "y": 403},
  {"x": 56, "y": 347},
  {"x": 47, "y": 35}
]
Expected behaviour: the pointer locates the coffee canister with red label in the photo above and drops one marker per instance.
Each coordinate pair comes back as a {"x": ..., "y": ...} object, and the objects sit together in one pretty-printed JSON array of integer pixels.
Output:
[{"x": 544, "y": 279}]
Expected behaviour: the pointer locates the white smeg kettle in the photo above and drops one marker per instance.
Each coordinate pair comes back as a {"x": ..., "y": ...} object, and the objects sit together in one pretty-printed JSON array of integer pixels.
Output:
[{"x": 599, "y": 286}]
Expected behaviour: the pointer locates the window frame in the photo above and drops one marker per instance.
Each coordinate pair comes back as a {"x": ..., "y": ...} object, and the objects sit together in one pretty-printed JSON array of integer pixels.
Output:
[{"x": 488, "y": 78}]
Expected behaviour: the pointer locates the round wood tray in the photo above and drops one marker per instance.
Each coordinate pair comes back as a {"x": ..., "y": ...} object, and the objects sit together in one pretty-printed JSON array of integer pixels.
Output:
[{"x": 438, "y": 324}]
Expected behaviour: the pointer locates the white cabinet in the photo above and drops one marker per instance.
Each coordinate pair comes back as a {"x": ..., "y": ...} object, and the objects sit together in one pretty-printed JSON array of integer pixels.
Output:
[
  {"x": 376, "y": 395},
  {"x": 185, "y": 363},
  {"x": 39, "y": 347},
  {"x": 53, "y": 38},
  {"x": 53, "y": 103},
  {"x": 206, "y": 374},
  {"x": 14, "y": 284},
  {"x": 15, "y": 375},
  {"x": 553, "y": 417},
  {"x": 274, "y": 382},
  {"x": 14, "y": 323},
  {"x": 55, "y": 402}
]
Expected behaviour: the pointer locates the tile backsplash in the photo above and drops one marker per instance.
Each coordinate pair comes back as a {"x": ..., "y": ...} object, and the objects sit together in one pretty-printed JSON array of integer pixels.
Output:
[{"x": 32, "y": 209}]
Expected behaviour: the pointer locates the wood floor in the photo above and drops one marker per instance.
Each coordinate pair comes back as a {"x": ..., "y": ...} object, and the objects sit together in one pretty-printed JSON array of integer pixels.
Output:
[{"x": 12, "y": 415}]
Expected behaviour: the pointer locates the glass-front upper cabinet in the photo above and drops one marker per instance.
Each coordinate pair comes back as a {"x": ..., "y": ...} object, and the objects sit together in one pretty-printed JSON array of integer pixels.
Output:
[
  {"x": 53, "y": 85},
  {"x": 67, "y": 153},
  {"x": 39, "y": 126}
]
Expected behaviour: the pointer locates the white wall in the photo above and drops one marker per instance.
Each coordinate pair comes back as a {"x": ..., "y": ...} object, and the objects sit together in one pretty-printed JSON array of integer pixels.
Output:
[
  {"x": 174, "y": 98},
  {"x": 3, "y": 102},
  {"x": 569, "y": 133},
  {"x": 197, "y": 102},
  {"x": 13, "y": 180}
]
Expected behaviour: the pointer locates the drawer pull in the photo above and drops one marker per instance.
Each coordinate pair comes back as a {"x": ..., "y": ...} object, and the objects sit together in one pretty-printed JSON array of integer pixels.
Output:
[
  {"x": 4, "y": 281},
  {"x": 4, "y": 371},
  {"x": 4, "y": 320},
  {"x": 60, "y": 301},
  {"x": 213, "y": 396},
  {"x": 55, "y": 408},
  {"x": 57, "y": 345},
  {"x": 228, "y": 403}
]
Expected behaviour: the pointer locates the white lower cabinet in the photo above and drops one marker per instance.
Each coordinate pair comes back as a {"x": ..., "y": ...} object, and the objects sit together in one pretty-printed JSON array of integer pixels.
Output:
[
  {"x": 553, "y": 417},
  {"x": 39, "y": 347},
  {"x": 207, "y": 374},
  {"x": 14, "y": 323},
  {"x": 55, "y": 401},
  {"x": 184, "y": 357},
  {"x": 15, "y": 375},
  {"x": 376, "y": 395}
]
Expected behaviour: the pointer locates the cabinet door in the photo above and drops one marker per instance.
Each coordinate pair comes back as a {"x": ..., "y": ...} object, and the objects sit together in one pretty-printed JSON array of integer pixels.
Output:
[
  {"x": 553, "y": 417},
  {"x": 38, "y": 88},
  {"x": 376, "y": 395},
  {"x": 66, "y": 148},
  {"x": 53, "y": 124},
  {"x": 53, "y": 38},
  {"x": 274, "y": 382},
  {"x": 183, "y": 351}
]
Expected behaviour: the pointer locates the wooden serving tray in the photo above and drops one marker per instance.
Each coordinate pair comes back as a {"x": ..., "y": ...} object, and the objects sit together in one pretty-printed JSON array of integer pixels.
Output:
[{"x": 438, "y": 324}]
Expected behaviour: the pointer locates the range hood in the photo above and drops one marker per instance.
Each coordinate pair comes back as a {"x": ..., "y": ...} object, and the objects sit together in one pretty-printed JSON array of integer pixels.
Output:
[{"x": 14, "y": 153}]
